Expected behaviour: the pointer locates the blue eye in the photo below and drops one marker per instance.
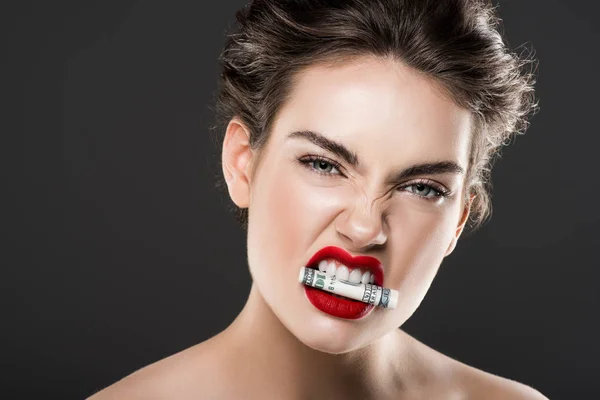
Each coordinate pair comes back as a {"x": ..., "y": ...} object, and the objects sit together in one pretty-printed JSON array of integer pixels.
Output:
[
  {"x": 424, "y": 188},
  {"x": 320, "y": 165}
]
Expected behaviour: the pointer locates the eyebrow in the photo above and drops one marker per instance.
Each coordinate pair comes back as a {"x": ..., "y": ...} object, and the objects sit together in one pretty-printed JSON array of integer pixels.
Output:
[{"x": 432, "y": 168}]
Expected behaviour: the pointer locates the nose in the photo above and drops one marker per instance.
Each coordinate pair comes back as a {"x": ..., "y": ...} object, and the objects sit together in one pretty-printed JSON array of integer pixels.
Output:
[{"x": 361, "y": 226}]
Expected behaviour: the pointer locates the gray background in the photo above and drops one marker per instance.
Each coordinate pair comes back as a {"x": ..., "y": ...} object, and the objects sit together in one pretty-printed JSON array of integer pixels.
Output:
[{"x": 119, "y": 251}]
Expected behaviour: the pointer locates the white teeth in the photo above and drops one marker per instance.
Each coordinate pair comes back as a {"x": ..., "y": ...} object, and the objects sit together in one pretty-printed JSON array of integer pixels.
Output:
[
  {"x": 365, "y": 277},
  {"x": 355, "y": 276},
  {"x": 322, "y": 265},
  {"x": 342, "y": 273},
  {"x": 330, "y": 271}
]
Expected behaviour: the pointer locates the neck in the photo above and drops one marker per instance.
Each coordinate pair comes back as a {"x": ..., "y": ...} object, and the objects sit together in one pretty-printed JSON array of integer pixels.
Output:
[{"x": 277, "y": 356}]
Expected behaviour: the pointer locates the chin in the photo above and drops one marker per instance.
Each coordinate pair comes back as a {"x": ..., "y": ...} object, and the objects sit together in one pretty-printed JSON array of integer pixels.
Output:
[
  {"x": 324, "y": 346},
  {"x": 329, "y": 337}
]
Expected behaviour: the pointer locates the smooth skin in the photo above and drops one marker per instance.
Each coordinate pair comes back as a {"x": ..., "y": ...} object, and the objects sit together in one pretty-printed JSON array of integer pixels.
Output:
[{"x": 282, "y": 347}]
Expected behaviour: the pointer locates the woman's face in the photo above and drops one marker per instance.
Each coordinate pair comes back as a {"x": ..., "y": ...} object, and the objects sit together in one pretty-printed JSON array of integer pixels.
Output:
[{"x": 391, "y": 119}]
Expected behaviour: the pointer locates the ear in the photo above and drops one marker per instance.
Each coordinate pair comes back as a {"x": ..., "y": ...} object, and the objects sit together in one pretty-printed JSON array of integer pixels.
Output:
[
  {"x": 236, "y": 158},
  {"x": 461, "y": 225}
]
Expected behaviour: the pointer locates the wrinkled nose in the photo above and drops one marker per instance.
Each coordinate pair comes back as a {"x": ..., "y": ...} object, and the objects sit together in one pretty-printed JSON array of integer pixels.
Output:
[{"x": 361, "y": 226}]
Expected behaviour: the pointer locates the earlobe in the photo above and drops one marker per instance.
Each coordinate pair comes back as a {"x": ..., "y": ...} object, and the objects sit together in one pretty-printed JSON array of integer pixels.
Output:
[
  {"x": 461, "y": 225},
  {"x": 236, "y": 158}
]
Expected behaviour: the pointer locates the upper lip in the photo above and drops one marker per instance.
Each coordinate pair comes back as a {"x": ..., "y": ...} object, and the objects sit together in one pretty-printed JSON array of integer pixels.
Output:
[{"x": 363, "y": 262}]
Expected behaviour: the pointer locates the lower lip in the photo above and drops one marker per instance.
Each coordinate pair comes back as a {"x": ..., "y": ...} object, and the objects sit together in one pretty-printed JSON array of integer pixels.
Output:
[{"x": 337, "y": 306}]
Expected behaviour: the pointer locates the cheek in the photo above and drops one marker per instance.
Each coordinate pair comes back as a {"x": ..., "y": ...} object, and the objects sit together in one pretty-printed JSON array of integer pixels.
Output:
[
  {"x": 418, "y": 244},
  {"x": 279, "y": 226},
  {"x": 294, "y": 209}
]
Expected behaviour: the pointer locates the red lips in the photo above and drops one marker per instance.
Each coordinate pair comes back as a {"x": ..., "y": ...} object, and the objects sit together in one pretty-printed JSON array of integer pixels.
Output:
[{"x": 363, "y": 262}]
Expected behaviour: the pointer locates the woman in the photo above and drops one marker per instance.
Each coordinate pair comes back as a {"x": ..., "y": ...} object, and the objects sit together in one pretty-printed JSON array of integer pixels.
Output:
[{"x": 358, "y": 140}]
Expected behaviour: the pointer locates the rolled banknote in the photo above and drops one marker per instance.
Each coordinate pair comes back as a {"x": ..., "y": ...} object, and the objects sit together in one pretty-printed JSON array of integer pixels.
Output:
[{"x": 365, "y": 292}]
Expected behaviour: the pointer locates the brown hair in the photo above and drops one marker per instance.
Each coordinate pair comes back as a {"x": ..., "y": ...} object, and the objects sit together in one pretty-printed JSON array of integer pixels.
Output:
[{"x": 455, "y": 42}]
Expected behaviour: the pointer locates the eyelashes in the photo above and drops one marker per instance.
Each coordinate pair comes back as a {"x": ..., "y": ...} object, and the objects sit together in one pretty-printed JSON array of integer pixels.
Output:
[
  {"x": 309, "y": 161},
  {"x": 313, "y": 163}
]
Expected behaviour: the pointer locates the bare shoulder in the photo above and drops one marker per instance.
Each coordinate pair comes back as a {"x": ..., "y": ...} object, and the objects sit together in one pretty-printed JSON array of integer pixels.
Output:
[
  {"x": 484, "y": 385},
  {"x": 479, "y": 384},
  {"x": 181, "y": 376},
  {"x": 454, "y": 379}
]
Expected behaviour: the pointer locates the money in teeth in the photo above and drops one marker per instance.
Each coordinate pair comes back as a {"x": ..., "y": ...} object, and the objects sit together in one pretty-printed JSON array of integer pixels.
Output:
[{"x": 365, "y": 292}]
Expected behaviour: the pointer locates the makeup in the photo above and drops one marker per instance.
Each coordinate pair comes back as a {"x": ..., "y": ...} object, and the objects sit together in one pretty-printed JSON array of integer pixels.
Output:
[
  {"x": 333, "y": 304},
  {"x": 372, "y": 295}
]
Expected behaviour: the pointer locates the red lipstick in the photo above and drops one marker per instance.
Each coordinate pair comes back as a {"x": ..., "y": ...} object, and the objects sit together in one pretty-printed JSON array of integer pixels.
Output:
[{"x": 338, "y": 306}]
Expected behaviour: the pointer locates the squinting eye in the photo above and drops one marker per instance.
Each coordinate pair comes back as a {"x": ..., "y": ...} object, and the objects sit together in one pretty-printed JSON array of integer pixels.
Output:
[
  {"x": 423, "y": 190},
  {"x": 426, "y": 191},
  {"x": 325, "y": 166},
  {"x": 320, "y": 165}
]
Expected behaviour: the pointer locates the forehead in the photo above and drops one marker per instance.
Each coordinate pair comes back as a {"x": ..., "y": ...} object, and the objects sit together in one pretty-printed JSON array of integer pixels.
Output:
[{"x": 378, "y": 108}]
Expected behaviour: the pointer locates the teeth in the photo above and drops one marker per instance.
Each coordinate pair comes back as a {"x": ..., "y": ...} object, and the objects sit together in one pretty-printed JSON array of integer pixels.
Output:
[
  {"x": 365, "y": 277},
  {"x": 330, "y": 269},
  {"x": 342, "y": 272},
  {"x": 322, "y": 265},
  {"x": 355, "y": 276}
]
